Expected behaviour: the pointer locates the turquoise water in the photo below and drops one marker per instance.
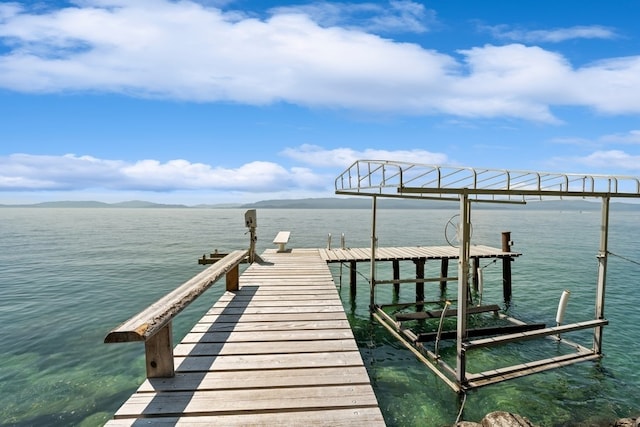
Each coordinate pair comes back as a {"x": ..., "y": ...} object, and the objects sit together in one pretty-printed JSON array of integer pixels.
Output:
[{"x": 67, "y": 276}]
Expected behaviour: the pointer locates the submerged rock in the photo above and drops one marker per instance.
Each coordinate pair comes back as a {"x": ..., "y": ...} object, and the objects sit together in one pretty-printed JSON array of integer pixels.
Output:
[
  {"x": 499, "y": 419},
  {"x": 505, "y": 419},
  {"x": 627, "y": 422}
]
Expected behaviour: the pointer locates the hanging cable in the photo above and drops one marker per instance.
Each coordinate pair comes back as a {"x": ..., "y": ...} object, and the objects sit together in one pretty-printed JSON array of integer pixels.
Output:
[
  {"x": 464, "y": 400},
  {"x": 624, "y": 258},
  {"x": 488, "y": 264},
  {"x": 351, "y": 269},
  {"x": 444, "y": 313},
  {"x": 481, "y": 279}
]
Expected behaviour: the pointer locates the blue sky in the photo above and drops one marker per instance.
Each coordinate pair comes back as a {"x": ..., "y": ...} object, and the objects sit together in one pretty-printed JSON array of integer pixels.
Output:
[{"x": 237, "y": 101}]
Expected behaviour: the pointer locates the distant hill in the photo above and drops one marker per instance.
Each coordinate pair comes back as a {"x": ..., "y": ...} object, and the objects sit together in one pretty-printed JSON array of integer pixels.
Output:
[
  {"x": 319, "y": 203},
  {"x": 67, "y": 204},
  {"x": 219, "y": 206},
  {"x": 142, "y": 204},
  {"x": 346, "y": 203},
  {"x": 579, "y": 205},
  {"x": 396, "y": 203},
  {"x": 93, "y": 204}
]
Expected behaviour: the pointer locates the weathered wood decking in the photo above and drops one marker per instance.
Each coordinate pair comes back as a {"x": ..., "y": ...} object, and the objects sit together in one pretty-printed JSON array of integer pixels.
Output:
[
  {"x": 413, "y": 252},
  {"x": 277, "y": 352}
]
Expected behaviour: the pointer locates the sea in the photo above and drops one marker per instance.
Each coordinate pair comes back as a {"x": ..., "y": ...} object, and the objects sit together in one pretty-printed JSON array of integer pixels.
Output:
[{"x": 70, "y": 275}]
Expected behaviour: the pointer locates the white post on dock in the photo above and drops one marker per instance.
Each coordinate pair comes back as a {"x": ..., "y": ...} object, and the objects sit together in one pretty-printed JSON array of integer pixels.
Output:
[
  {"x": 602, "y": 274},
  {"x": 463, "y": 285},
  {"x": 372, "y": 301}
]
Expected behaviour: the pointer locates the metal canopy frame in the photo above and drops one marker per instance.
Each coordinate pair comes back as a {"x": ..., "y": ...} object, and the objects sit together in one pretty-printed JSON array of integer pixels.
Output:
[{"x": 380, "y": 178}]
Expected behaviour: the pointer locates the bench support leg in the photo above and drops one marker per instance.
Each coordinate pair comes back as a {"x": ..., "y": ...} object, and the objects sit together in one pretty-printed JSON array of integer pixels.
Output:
[{"x": 159, "y": 354}]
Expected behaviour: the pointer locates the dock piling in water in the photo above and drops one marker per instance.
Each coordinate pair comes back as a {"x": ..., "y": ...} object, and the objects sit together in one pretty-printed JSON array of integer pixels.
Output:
[
  {"x": 506, "y": 267},
  {"x": 420, "y": 263}
]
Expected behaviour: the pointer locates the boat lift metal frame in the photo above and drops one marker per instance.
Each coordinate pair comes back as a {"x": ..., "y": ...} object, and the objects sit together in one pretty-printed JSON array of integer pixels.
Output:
[{"x": 379, "y": 178}]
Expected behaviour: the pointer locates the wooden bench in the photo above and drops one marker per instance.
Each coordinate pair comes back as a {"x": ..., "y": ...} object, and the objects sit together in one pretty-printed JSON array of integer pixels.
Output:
[
  {"x": 282, "y": 238},
  {"x": 153, "y": 325}
]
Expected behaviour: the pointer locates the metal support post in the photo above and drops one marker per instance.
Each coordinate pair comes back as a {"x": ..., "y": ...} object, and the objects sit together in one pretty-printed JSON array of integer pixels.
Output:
[
  {"x": 372, "y": 299},
  {"x": 602, "y": 274},
  {"x": 463, "y": 286}
]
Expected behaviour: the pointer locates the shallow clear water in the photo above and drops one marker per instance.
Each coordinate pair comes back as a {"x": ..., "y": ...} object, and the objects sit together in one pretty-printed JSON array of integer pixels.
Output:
[{"x": 67, "y": 276}]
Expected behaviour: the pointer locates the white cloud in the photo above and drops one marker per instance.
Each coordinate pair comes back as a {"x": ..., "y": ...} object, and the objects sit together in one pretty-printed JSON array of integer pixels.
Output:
[
  {"x": 189, "y": 51},
  {"x": 611, "y": 86},
  {"x": 582, "y": 142},
  {"x": 70, "y": 172},
  {"x": 396, "y": 16},
  {"x": 631, "y": 137},
  {"x": 185, "y": 51},
  {"x": 344, "y": 157},
  {"x": 523, "y": 80},
  {"x": 612, "y": 159},
  {"x": 25, "y": 172},
  {"x": 550, "y": 36},
  {"x": 605, "y": 161}
]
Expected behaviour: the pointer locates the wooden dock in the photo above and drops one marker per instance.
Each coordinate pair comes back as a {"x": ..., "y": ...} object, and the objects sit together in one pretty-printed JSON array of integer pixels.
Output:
[
  {"x": 412, "y": 253},
  {"x": 419, "y": 255},
  {"x": 279, "y": 351}
]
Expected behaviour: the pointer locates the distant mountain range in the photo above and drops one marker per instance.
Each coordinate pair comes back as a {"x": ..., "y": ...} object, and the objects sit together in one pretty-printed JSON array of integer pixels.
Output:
[
  {"x": 394, "y": 203},
  {"x": 340, "y": 203},
  {"x": 92, "y": 204}
]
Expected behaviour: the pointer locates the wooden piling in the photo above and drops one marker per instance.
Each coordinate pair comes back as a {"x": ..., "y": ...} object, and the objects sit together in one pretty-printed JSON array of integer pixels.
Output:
[
  {"x": 159, "y": 354},
  {"x": 232, "y": 279},
  {"x": 474, "y": 267},
  {"x": 506, "y": 267},
  {"x": 396, "y": 276},
  {"x": 352, "y": 278},
  {"x": 444, "y": 273},
  {"x": 420, "y": 262}
]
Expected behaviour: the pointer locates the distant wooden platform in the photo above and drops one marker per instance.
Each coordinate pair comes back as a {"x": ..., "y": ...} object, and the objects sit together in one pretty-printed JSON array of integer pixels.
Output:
[
  {"x": 410, "y": 253},
  {"x": 279, "y": 351}
]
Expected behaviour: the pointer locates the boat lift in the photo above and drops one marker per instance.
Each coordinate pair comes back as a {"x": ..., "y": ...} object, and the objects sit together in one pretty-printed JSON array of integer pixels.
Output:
[{"x": 391, "y": 179}]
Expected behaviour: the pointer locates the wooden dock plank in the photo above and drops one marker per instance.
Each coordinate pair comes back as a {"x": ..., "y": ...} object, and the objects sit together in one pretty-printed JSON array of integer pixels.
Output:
[
  {"x": 276, "y": 295},
  {"x": 254, "y": 401},
  {"x": 278, "y": 302},
  {"x": 358, "y": 417},
  {"x": 276, "y": 325},
  {"x": 224, "y": 380},
  {"x": 269, "y": 347},
  {"x": 279, "y": 351},
  {"x": 276, "y": 310},
  {"x": 268, "y": 335},
  {"x": 268, "y": 361},
  {"x": 273, "y": 317}
]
